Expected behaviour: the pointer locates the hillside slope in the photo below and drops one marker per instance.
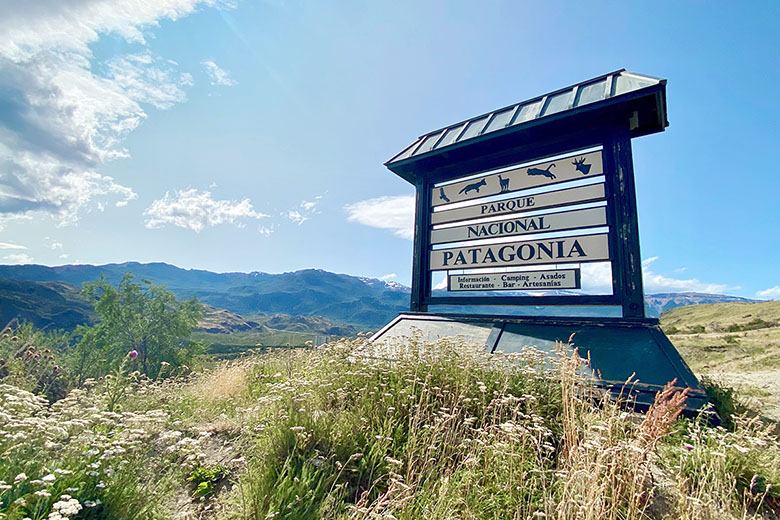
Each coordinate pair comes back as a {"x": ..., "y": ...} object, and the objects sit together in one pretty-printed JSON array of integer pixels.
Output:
[{"x": 736, "y": 343}]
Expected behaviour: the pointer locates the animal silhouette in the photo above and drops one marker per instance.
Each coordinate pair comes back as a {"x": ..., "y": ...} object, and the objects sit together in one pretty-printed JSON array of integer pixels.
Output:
[
  {"x": 581, "y": 166},
  {"x": 474, "y": 186},
  {"x": 546, "y": 172},
  {"x": 504, "y": 183},
  {"x": 442, "y": 196}
]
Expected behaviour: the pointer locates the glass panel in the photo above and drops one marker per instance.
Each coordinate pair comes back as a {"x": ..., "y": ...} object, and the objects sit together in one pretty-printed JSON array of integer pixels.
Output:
[
  {"x": 591, "y": 93},
  {"x": 528, "y": 112},
  {"x": 450, "y": 136},
  {"x": 501, "y": 120},
  {"x": 630, "y": 83},
  {"x": 427, "y": 145},
  {"x": 406, "y": 153},
  {"x": 473, "y": 128},
  {"x": 557, "y": 103}
]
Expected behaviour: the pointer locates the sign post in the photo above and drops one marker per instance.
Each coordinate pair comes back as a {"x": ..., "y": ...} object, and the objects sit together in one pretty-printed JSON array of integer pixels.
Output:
[{"x": 534, "y": 206}]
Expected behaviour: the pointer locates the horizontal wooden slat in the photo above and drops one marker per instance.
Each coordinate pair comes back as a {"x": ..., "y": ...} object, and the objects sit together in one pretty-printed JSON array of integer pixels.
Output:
[
  {"x": 530, "y": 176},
  {"x": 550, "y": 199}
]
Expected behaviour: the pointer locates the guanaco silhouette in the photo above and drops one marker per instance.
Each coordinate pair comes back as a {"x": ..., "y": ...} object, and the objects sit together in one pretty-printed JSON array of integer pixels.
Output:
[{"x": 504, "y": 183}]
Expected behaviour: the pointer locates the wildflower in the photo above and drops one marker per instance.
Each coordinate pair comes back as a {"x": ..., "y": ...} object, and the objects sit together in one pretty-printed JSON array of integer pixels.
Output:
[
  {"x": 687, "y": 446},
  {"x": 132, "y": 354},
  {"x": 49, "y": 478},
  {"x": 43, "y": 493},
  {"x": 21, "y": 477},
  {"x": 66, "y": 506}
]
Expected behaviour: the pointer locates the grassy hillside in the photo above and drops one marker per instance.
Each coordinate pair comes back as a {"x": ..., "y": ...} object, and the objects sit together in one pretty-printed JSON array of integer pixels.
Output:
[
  {"x": 47, "y": 305},
  {"x": 734, "y": 343},
  {"x": 442, "y": 432}
]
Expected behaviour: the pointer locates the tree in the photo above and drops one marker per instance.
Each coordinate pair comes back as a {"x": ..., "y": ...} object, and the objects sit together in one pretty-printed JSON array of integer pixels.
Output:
[{"x": 136, "y": 317}]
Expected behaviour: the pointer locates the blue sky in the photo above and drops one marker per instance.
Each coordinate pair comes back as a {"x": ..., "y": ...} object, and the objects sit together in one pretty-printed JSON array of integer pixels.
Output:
[{"x": 251, "y": 136}]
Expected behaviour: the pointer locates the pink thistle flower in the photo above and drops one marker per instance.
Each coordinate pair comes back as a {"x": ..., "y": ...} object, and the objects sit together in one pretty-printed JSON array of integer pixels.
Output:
[
  {"x": 687, "y": 446},
  {"x": 132, "y": 354}
]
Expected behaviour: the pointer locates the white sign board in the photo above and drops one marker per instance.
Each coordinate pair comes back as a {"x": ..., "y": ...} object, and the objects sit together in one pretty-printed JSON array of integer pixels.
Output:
[
  {"x": 569, "y": 250},
  {"x": 517, "y": 281},
  {"x": 550, "y": 199},
  {"x": 529, "y": 176},
  {"x": 519, "y": 225}
]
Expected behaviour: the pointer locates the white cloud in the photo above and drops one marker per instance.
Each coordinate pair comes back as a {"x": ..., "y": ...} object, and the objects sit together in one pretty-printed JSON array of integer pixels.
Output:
[
  {"x": 393, "y": 213},
  {"x": 64, "y": 256},
  {"x": 191, "y": 209},
  {"x": 52, "y": 244},
  {"x": 597, "y": 278},
  {"x": 217, "y": 75},
  {"x": 303, "y": 212},
  {"x": 265, "y": 230},
  {"x": 388, "y": 277},
  {"x": 655, "y": 283},
  {"x": 66, "y": 114},
  {"x": 773, "y": 293},
  {"x": 18, "y": 258},
  {"x": 7, "y": 245}
]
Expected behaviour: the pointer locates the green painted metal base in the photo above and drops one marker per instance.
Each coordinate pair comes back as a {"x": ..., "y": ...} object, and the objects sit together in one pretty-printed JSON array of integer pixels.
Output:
[{"x": 617, "y": 347}]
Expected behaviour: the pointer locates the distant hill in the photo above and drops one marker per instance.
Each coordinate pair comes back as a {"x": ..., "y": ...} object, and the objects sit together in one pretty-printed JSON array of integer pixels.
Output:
[
  {"x": 656, "y": 304},
  {"x": 340, "y": 299},
  {"x": 47, "y": 305},
  {"x": 362, "y": 302}
]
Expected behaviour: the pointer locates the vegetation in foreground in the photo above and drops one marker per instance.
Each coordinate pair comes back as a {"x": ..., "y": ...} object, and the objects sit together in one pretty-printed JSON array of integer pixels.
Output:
[{"x": 443, "y": 431}]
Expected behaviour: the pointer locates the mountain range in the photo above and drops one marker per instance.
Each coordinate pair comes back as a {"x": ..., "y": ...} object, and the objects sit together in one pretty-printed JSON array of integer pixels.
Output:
[{"x": 48, "y": 296}]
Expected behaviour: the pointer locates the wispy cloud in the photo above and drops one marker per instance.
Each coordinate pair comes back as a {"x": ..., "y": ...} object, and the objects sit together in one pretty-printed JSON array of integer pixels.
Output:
[
  {"x": 266, "y": 231},
  {"x": 217, "y": 75},
  {"x": 773, "y": 293},
  {"x": 655, "y": 282},
  {"x": 392, "y": 213},
  {"x": 597, "y": 278},
  {"x": 196, "y": 210},
  {"x": 388, "y": 277},
  {"x": 7, "y": 245},
  {"x": 66, "y": 113},
  {"x": 18, "y": 258},
  {"x": 303, "y": 212}
]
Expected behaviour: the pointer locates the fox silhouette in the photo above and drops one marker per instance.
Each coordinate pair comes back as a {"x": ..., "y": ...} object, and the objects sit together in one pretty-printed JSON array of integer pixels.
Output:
[
  {"x": 474, "y": 186},
  {"x": 546, "y": 172},
  {"x": 442, "y": 196}
]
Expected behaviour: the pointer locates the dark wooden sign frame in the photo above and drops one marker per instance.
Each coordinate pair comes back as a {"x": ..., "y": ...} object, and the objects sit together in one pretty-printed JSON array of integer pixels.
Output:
[{"x": 609, "y": 124}]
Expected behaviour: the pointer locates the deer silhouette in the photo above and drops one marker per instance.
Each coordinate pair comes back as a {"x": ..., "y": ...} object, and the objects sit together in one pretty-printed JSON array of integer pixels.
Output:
[
  {"x": 546, "y": 172},
  {"x": 473, "y": 186},
  {"x": 442, "y": 196},
  {"x": 581, "y": 166},
  {"x": 504, "y": 183}
]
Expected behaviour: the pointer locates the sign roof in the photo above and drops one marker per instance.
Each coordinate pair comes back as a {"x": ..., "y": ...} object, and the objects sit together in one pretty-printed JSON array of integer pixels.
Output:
[{"x": 605, "y": 91}]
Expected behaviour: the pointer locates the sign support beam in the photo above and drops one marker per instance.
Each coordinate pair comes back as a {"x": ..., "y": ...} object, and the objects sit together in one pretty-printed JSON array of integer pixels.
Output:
[
  {"x": 627, "y": 262},
  {"x": 420, "y": 260}
]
